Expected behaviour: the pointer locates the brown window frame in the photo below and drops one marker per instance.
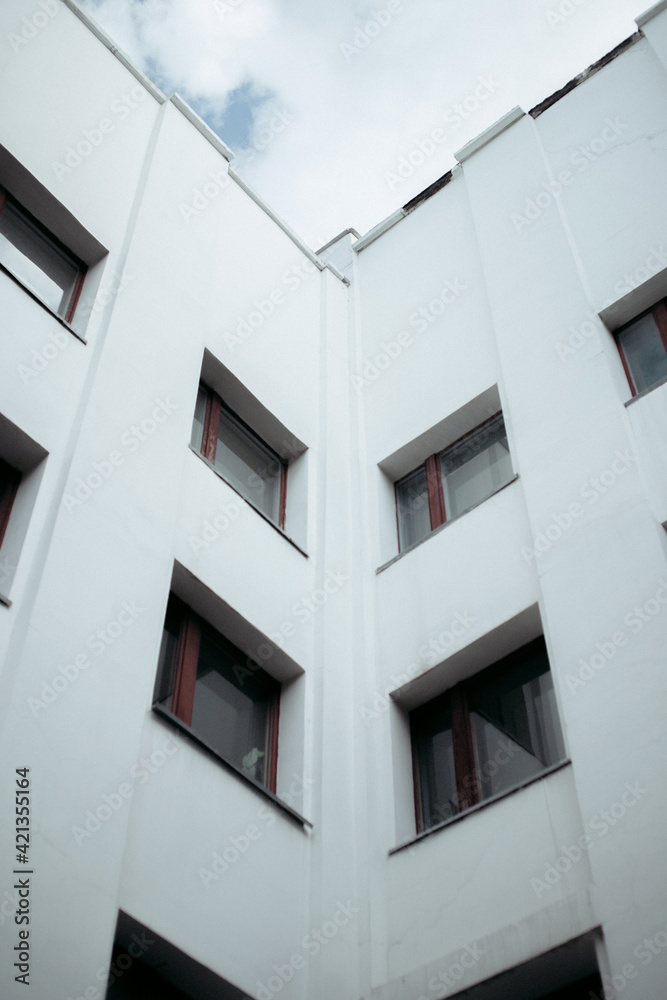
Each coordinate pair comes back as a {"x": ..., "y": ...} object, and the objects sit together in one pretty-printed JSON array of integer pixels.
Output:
[
  {"x": 185, "y": 678},
  {"x": 659, "y": 313},
  {"x": 215, "y": 406},
  {"x": 82, "y": 267},
  {"x": 9, "y": 484},
  {"x": 436, "y": 493},
  {"x": 467, "y": 772}
]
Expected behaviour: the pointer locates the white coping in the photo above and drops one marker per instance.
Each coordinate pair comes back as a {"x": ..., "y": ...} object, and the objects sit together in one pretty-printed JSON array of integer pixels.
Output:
[
  {"x": 113, "y": 48},
  {"x": 488, "y": 134},
  {"x": 201, "y": 126},
  {"x": 257, "y": 198},
  {"x": 378, "y": 230},
  {"x": 656, "y": 9},
  {"x": 205, "y": 130},
  {"x": 345, "y": 232}
]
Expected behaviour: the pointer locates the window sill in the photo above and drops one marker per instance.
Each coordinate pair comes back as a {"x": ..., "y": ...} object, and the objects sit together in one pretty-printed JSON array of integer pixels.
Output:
[
  {"x": 40, "y": 302},
  {"x": 249, "y": 502},
  {"x": 446, "y": 524},
  {"x": 645, "y": 392},
  {"x": 481, "y": 805},
  {"x": 186, "y": 731}
]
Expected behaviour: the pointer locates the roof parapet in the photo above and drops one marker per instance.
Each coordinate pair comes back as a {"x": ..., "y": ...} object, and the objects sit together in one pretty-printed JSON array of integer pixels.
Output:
[
  {"x": 488, "y": 134},
  {"x": 201, "y": 126},
  {"x": 115, "y": 51},
  {"x": 652, "y": 12}
]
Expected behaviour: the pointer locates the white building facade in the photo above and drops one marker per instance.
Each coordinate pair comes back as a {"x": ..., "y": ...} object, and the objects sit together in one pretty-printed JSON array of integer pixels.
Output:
[{"x": 409, "y": 492}]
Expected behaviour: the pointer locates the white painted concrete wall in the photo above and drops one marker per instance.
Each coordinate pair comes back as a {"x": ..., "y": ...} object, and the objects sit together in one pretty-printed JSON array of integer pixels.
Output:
[{"x": 195, "y": 257}]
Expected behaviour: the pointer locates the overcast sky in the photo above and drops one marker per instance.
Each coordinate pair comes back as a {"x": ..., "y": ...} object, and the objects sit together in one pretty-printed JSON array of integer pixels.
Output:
[{"x": 321, "y": 101}]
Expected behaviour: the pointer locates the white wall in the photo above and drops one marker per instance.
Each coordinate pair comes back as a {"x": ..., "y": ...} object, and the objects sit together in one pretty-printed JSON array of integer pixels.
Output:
[{"x": 192, "y": 263}]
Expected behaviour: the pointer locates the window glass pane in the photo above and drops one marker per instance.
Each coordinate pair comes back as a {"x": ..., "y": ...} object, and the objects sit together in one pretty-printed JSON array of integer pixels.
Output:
[
  {"x": 515, "y": 728},
  {"x": 248, "y": 466},
  {"x": 36, "y": 260},
  {"x": 166, "y": 675},
  {"x": 414, "y": 520},
  {"x": 434, "y": 761},
  {"x": 232, "y": 704},
  {"x": 644, "y": 352},
  {"x": 475, "y": 467},
  {"x": 198, "y": 420}
]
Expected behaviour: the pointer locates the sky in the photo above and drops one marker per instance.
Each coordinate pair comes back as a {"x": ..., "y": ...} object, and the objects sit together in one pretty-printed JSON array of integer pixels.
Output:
[{"x": 340, "y": 113}]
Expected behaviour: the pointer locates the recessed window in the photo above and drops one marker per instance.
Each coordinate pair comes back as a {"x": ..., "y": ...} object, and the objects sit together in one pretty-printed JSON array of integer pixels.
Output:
[
  {"x": 452, "y": 481},
  {"x": 9, "y": 484},
  {"x": 643, "y": 347},
  {"x": 484, "y": 736},
  {"x": 38, "y": 260},
  {"x": 243, "y": 460},
  {"x": 227, "y": 701}
]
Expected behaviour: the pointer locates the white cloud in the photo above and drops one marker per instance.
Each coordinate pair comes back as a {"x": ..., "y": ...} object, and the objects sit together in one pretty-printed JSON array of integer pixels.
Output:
[{"x": 360, "y": 93}]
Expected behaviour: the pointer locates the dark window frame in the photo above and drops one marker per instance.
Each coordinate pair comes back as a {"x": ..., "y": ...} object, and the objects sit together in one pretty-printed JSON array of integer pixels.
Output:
[
  {"x": 82, "y": 267},
  {"x": 185, "y": 678},
  {"x": 217, "y": 408},
  {"x": 456, "y": 701},
  {"x": 10, "y": 479},
  {"x": 659, "y": 313},
  {"x": 435, "y": 489}
]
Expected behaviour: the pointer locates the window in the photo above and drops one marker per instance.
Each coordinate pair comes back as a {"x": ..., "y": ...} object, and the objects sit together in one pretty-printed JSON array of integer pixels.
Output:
[
  {"x": 38, "y": 260},
  {"x": 9, "y": 482},
  {"x": 243, "y": 460},
  {"x": 227, "y": 701},
  {"x": 643, "y": 347},
  {"x": 484, "y": 736},
  {"x": 453, "y": 481}
]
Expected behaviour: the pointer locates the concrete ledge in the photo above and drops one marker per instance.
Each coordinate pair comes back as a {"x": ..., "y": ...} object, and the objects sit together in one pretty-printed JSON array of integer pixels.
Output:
[
  {"x": 257, "y": 198},
  {"x": 115, "y": 51},
  {"x": 652, "y": 12},
  {"x": 201, "y": 126},
  {"x": 490, "y": 133},
  {"x": 378, "y": 230}
]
